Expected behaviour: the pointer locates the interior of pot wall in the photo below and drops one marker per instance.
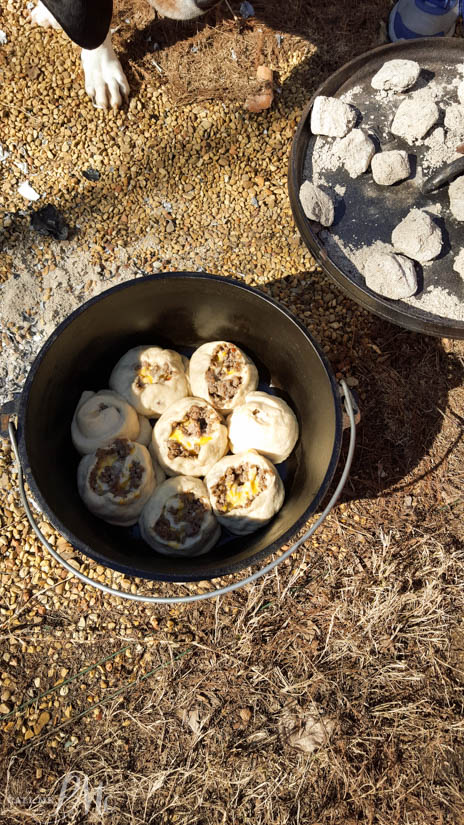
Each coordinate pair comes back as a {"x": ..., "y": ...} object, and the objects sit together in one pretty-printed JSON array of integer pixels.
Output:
[{"x": 176, "y": 312}]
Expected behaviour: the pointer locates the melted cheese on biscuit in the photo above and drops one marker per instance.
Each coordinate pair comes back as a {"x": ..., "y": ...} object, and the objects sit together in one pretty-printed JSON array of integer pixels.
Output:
[
  {"x": 238, "y": 495},
  {"x": 188, "y": 443},
  {"x": 145, "y": 375},
  {"x": 109, "y": 461}
]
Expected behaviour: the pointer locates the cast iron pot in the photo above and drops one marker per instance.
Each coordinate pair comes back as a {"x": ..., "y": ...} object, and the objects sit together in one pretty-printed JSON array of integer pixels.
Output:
[{"x": 179, "y": 311}]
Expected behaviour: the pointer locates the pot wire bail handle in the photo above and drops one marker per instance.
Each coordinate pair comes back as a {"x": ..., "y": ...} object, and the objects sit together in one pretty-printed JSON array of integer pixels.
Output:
[{"x": 348, "y": 401}]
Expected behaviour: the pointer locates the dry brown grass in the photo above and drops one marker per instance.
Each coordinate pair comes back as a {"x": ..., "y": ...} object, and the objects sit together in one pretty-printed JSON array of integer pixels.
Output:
[{"x": 369, "y": 641}]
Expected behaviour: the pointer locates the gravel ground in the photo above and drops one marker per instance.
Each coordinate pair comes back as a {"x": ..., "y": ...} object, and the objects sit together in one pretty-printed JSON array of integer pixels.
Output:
[{"x": 211, "y": 712}]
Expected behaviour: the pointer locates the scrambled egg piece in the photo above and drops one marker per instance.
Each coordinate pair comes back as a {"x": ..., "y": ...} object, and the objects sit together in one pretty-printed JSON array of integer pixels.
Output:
[
  {"x": 145, "y": 375},
  {"x": 238, "y": 495},
  {"x": 188, "y": 443}
]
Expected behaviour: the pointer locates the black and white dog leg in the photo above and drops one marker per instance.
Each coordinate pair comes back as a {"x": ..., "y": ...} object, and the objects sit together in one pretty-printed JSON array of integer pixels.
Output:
[
  {"x": 41, "y": 16},
  {"x": 105, "y": 80}
]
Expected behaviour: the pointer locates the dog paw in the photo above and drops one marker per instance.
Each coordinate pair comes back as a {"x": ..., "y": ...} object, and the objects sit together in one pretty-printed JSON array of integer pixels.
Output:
[
  {"x": 40, "y": 16},
  {"x": 105, "y": 81}
]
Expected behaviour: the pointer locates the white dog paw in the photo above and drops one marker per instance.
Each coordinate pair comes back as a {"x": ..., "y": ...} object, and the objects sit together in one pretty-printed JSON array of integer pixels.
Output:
[
  {"x": 40, "y": 16},
  {"x": 105, "y": 80}
]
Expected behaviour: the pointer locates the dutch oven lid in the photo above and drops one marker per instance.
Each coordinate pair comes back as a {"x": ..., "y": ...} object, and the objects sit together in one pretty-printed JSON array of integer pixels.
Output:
[{"x": 366, "y": 212}]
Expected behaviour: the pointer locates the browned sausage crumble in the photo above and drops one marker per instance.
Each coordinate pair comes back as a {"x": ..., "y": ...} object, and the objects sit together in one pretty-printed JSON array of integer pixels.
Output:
[
  {"x": 197, "y": 423},
  {"x": 189, "y": 515},
  {"x": 158, "y": 373},
  {"x": 110, "y": 475},
  {"x": 220, "y": 378}
]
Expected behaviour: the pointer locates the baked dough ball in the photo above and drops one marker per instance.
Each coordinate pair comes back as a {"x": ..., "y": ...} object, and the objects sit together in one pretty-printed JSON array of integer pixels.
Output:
[
  {"x": 245, "y": 491},
  {"x": 189, "y": 438},
  {"x": 100, "y": 417},
  {"x": 264, "y": 423},
  {"x": 177, "y": 519},
  {"x": 150, "y": 378},
  {"x": 220, "y": 372},
  {"x": 115, "y": 481},
  {"x": 160, "y": 475},
  {"x": 144, "y": 436}
]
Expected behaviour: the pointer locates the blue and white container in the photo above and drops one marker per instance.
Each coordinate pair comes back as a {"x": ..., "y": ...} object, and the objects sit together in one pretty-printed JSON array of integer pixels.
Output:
[{"x": 423, "y": 18}]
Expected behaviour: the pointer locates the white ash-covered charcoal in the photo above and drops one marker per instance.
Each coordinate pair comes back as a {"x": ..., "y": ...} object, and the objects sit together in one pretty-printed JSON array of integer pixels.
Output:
[
  {"x": 458, "y": 263},
  {"x": 418, "y": 237},
  {"x": 414, "y": 117},
  {"x": 396, "y": 75},
  {"x": 317, "y": 205},
  {"x": 390, "y": 167},
  {"x": 355, "y": 151},
  {"x": 461, "y": 92},
  {"x": 454, "y": 118},
  {"x": 332, "y": 117},
  {"x": 392, "y": 276},
  {"x": 456, "y": 197}
]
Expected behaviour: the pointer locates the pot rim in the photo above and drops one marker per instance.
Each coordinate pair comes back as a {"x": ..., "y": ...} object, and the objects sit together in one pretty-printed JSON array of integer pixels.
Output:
[{"x": 224, "y": 568}]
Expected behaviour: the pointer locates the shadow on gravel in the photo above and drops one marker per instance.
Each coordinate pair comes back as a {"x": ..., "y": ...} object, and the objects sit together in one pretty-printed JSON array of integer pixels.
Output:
[{"x": 404, "y": 380}]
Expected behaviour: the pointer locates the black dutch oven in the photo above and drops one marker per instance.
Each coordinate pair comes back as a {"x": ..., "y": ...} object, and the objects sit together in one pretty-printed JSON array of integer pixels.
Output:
[{"x": 179, "y": 311}]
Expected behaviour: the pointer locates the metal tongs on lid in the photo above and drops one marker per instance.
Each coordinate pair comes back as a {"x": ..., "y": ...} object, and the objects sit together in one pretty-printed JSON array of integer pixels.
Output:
[{"x": 446, "y": 174}]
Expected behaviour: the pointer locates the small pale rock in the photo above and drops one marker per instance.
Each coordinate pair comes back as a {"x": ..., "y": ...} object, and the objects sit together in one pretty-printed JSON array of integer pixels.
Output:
[
  {"x": 4, "y": 708},
  {"x": 245, "y": 715},
  {"x": 356, "y": 151},
  {"x": 264, "y": 74},
  {"x": 392, "y": 276},
  {"x": 317, "y": 206},
  {"x": 454, "y": 117},
  {"x": 414, "y": 117},
  {"x": 396, "y": 75},
  {"x": 332, "y": 117},
  {"x": 456, "y": 197},
  {"x": 418, "y": 236},
  {"x": 26, "y": 190},
  {"x": 390, "y": 167},
  {"x": 43, "y": 719}
]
